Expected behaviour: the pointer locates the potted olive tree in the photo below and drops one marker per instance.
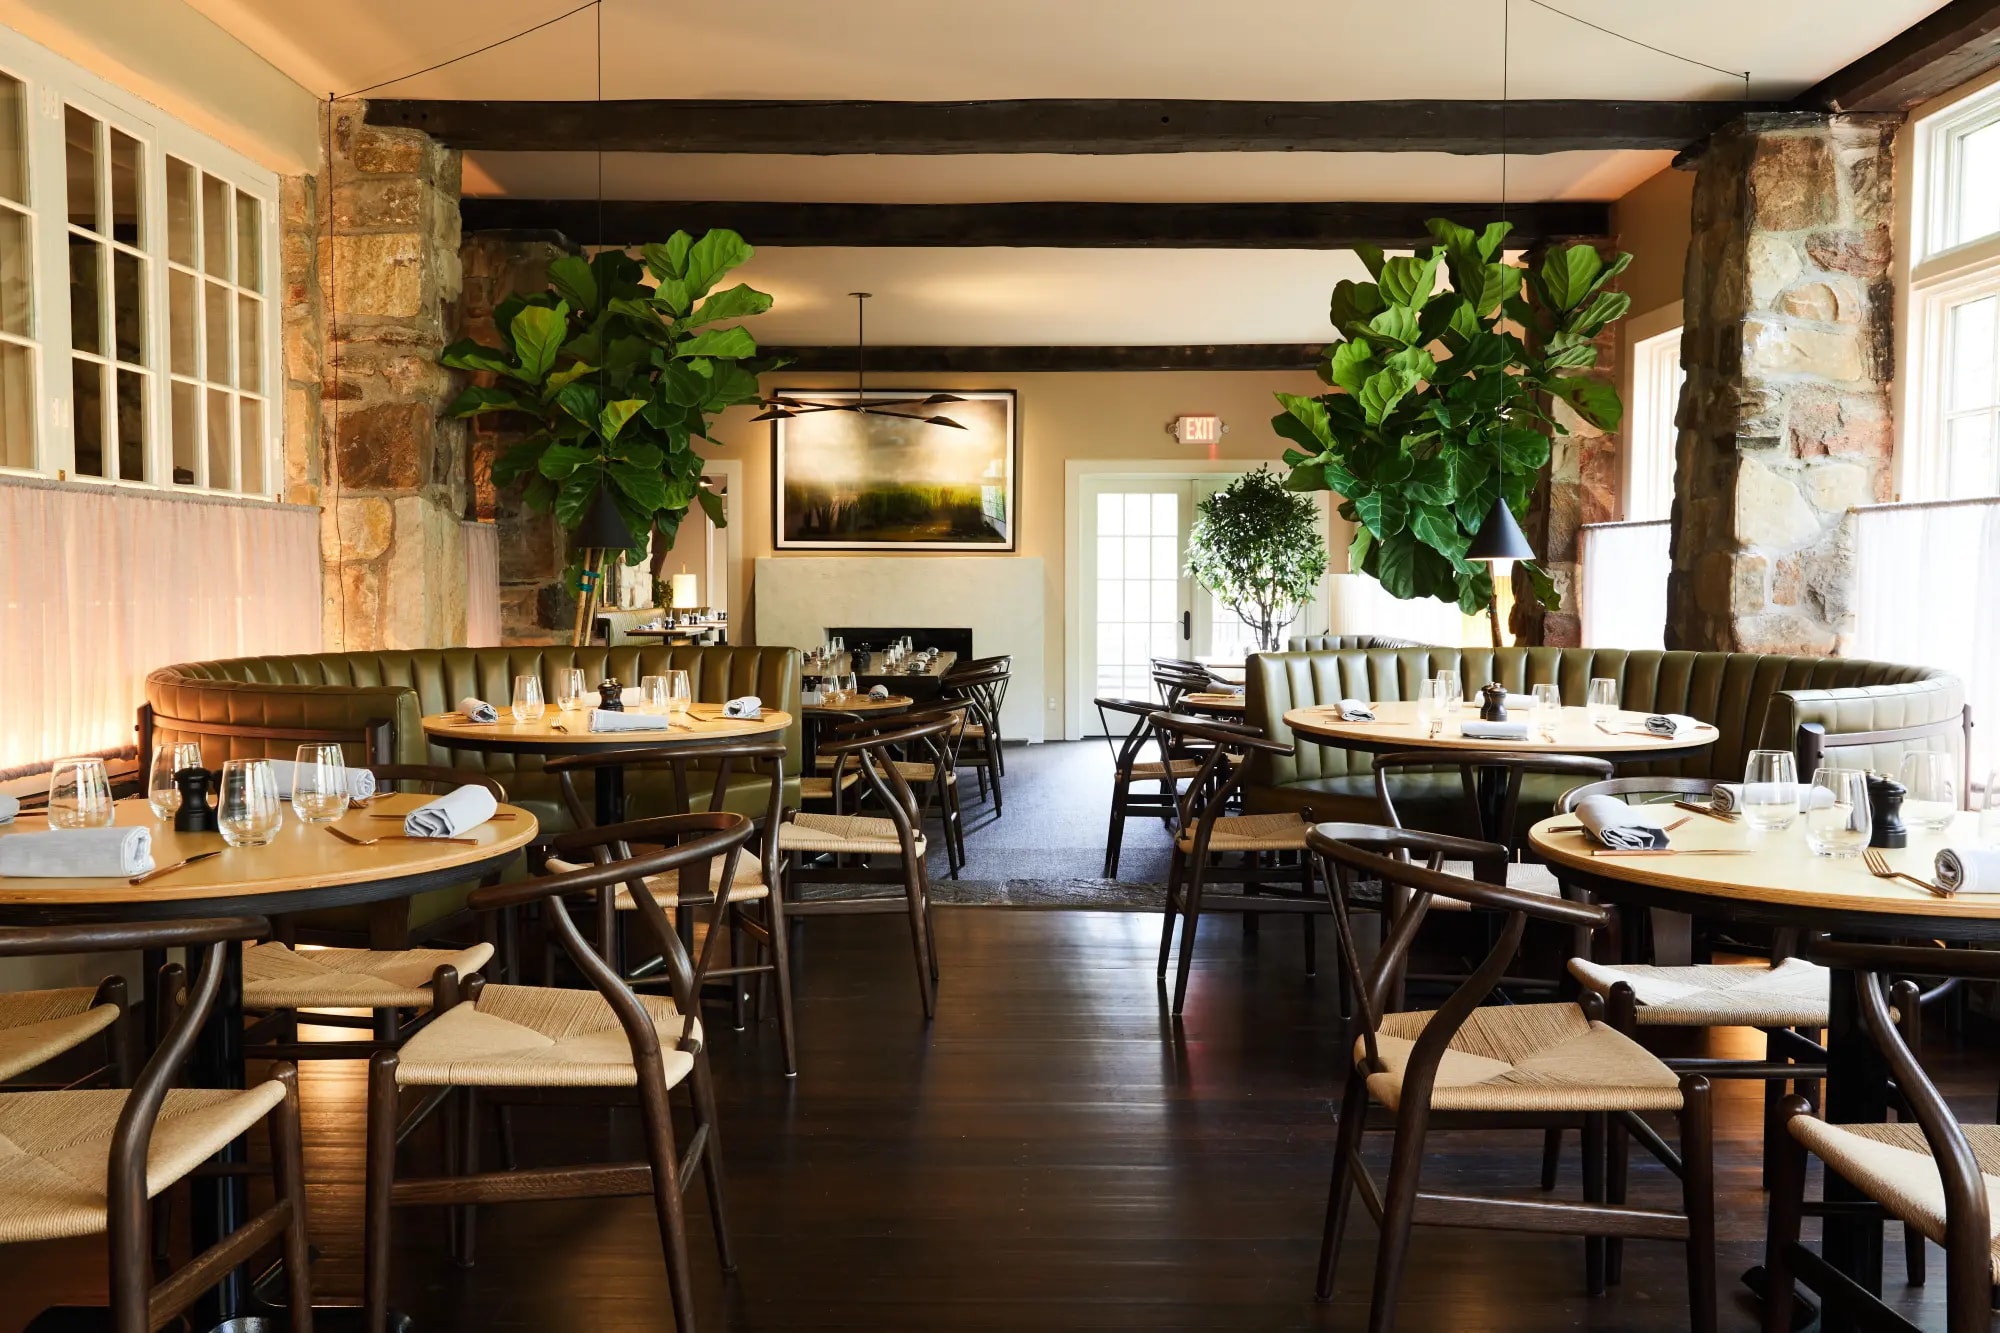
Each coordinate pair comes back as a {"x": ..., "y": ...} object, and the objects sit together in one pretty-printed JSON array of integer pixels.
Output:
[{"x": 1260, "y": 551}]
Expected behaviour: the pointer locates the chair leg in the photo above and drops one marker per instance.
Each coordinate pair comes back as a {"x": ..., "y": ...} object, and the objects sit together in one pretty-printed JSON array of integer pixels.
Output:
[
  {"x": 738, "y": 1009},
  {"x": 121, "y": 1039},
  {"x": 288, "y": 1168},
  {"x": 781, "y": 966},
  {"x": 381, "y": 1179},
  {"x": 1594, "y": 1136},
  {"x": 1552, "y": 1148},
  {"x": 468, "y": 1164},
  {"x": 930, "y": 924},
  {"x": 1787, "y": 1158},
  {"x": 1340, "y": 1190},
  {"x": 702, "y": 1083},
  {"x": 1617, "y": 1172},
  {"x": 919, "y": 944},
  {"x": 657, "y": 1118},
  {"x": 1698, "y": 1199},
  {"x": 1114, "y": 837},
  {"x": 1399, "y": 1204},
  {"x": 1170, "y": 911},
  {"x": 1904, "y": 996},
  {"x": 1190, "y": 922},
  {"x": 1774, "y": 1096}
]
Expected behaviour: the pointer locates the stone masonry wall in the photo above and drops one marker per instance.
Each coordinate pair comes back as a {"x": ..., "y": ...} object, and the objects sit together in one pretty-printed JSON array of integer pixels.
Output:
[
  {"x": 303, "y": 353},
  {"x": 397, "y": 489},
  {"x": 1789, "y": 351}
]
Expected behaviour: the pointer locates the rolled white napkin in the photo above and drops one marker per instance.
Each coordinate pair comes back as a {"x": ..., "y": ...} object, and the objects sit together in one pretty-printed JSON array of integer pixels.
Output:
[
  {"x": 808, "y": 697},
  {"x": 1520, "y": 701},
  {"x": 1671, "y": 724},
  {"x": 874, "y": 692},
  {"x": 1959, "y": 869},
  {"x": 451, "y": 814},
  {"x": 1479, "y": 729},
  {"x": 604, "y": 720},
  {"x": 632, "y": 696},
  {"x": 9, "y": 807},
  {"x": 1355, "y": 710},
  {"x": 749, "y": 705},
  {"x": 1616, "y": 824},
  {"x": 478, "y": 710},
  {"x": 84, "y": 853},
  {"x": 360, "y": 782},
  {"x": 1727, "y": 798}
]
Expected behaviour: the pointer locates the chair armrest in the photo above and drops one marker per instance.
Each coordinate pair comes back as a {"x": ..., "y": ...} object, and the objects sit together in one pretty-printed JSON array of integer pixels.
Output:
[
  {"x": 1491, "y": 896},
  {"x": 1972, "y": 964},
  {"x": 123, "y": 937}
]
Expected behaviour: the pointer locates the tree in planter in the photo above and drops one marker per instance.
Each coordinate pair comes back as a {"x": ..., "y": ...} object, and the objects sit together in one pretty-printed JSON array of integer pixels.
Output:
[
  {"x": 1439, "y": 409},
  {"x": 1260, "y": 551},
  {"x": 619, "y": 378}
]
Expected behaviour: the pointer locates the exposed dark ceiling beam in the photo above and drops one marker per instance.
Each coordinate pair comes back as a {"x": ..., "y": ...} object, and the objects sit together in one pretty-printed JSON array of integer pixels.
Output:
[
  {"x": 841, "y": 360},
  {"x": 1934, "y": 55},
  {"x": 1059, "y": 126},
  {"x": 1058, "y": 225}
]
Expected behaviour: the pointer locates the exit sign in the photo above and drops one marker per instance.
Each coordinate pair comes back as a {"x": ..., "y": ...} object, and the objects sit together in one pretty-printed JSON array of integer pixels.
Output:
[{"x": 1198, "y": 430}]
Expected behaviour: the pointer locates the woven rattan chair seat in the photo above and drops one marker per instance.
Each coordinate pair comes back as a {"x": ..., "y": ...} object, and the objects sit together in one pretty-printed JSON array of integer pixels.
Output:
[
  {"x": 821, "y": 789},
  {"x": 1892, "y": 1165},
  {"x": 38, "y": 1025},
  {"x": 1253, "y": 833},
  {"x": 1791, "y": 995},
  {"x": 537, "y": 1037},
  {"x": 1153, "y": 772},
  {"x": 853, "y": 834},
  {"x": 55, "y": 1151},
  {"x": 1527, "y": 1057},
  {"x": 749, "y": 885},
  {"x": 915, "y": 771},
  {"x": 275, "y": 977}
]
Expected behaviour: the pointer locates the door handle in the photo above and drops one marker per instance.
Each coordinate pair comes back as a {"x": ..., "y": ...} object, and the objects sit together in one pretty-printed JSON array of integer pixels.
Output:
[{"x": 1187, "y": 626}]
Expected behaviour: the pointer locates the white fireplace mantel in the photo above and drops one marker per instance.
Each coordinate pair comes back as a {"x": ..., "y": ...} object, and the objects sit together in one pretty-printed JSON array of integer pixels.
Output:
[{"x": 999, "y": 598}]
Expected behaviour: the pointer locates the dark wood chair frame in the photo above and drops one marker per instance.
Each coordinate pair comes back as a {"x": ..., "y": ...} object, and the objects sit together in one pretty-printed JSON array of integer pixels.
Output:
[
  {"x": 940, "y": 791},
  {"x": 760, "y": 921},
  {"x": 1002, "y": 670},
  {"x": 1968, "y": 1237},
  {"x": 875, "y": 752},
  {"x": 1343, "y": 850},
  {"x": 1126, "y": 752},
  {"x": 139, "y": 1303},
  {"x": 666, "y": 1173},
  {"x": 979, "y": 690},
  {"x": 1207, "y": 798},
  {"x": 123, "y": 1044}
]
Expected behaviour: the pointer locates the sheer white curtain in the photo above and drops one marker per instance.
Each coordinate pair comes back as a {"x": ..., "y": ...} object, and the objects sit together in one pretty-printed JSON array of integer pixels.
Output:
[
  {"x": 482, "y": 585},
  {"x": 99, "y": 585},
  {"x": 1357, "y": 604},
  {"x": 1928, "y": 592},
  {"x": 1624, "y": 595}
]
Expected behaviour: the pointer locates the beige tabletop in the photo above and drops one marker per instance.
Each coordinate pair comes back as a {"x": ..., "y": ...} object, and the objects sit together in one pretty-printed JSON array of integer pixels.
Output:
[
  {"x": 860, "y": 703},
  {"x": 556, "y": 732},
  {"x": 302, "y": 859},
  {"x": 1395, "y": 728},
  {"x": 1777, "y": 870},
  {"x": 1213, "y": 701}
]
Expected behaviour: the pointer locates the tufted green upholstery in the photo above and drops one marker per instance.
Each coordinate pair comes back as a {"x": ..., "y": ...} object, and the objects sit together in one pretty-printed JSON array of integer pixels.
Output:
[
  {"x": 1756, "y": 701},
  {"x": 1328, "y": 643}
]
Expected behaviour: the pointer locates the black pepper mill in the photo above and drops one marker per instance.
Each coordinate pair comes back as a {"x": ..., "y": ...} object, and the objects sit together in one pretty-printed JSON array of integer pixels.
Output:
[
  {"x": 1885, "y": 808},
  {"x": 1493, "y": 702},
  {"x": 611, "y": 695},
  {"x": 195, "y": 814}
]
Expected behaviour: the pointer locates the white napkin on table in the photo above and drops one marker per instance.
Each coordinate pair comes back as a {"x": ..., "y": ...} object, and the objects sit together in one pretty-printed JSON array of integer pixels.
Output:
[
  {"x": 1519, "y": 701},
  {"x": 1479, "y": 729},
  {"x": 478, "y": 710},
  {"x": 749, "y": 705},
  {"x": 1959, "y": 869},
  {"x": 874, "y": 692},
  {"x": 1355, "y": 710},
  {"x": 604, "y": 720},
  {"x": 1671, "y": 724},
  {"x": 84, "y": 853},
  {"x": 451, "y": 814},
  {"x": 360, "y": 782},
  {"x": 1616, "y": 824},
  {"x": 9, "y": 807},
  {"x": 808, "y": 697},
  {"x": 1727, "y": 798}
]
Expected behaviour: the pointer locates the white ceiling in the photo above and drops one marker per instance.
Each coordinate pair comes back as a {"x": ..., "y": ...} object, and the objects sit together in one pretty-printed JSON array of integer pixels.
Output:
[{"x": 952, "y": 50}]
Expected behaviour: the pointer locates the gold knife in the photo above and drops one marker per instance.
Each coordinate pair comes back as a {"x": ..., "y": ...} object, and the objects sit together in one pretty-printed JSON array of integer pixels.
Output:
[{"x": 178, "y": 865}]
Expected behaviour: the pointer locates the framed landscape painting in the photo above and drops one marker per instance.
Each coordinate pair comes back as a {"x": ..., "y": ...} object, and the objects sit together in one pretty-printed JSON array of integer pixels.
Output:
[{"x": 854, "y": 481}]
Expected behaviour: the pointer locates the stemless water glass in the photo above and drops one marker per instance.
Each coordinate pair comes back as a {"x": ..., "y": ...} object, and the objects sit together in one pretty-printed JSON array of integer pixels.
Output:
[
  {"x": 249, "y": 811},
  {"x": 680, "y": 695},
  {"x": 1451, "y": 690},
  {"x": 79, "y": 794},
  {"x": 1839, "y": 827},
  {"x": 1989, "y": 812},
  {"x": 1548, "y": 709},
  {"x": 161, "y": 793},
  {"x": 1770, "y": 789},
  {"x": 1427, "y": 709},
  {"x": 1602, "y": 703},
  {"x": 1930, "y": 779},
  {"x": 569, "y": 688},
  {"x": 652, "y": 694},
  {"x": 1448, "y": 696},
  {"x": 319, "y": 784},
  {"x": 527, "y": 704}
]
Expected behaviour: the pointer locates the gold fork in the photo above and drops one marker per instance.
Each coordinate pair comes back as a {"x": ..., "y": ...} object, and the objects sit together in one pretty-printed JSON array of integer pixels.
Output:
[
  {"x": 345, "y": 836},
  {"x": 1878, "y": 866}
]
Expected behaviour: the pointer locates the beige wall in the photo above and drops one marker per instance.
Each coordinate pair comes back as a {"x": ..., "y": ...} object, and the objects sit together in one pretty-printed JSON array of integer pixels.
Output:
[
  {"x": 1060, "y": 417},
  {"x": 1652, "y": 223}
]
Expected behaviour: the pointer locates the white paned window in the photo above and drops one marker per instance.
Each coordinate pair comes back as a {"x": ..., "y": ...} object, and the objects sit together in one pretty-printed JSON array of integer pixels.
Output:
[
  {"x": 138, "y": 335},
  {"x": 1656, "y": 395}
]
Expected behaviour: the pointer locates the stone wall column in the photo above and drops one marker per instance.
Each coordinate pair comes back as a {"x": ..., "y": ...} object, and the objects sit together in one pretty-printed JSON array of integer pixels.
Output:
[
  {"x": 397, "y": 488},
  {"x": 1788, "y": 344}
]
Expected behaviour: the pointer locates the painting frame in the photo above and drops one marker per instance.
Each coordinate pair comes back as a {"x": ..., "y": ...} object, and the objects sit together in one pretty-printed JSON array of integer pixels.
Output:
[{"x": 786, "y": 449}]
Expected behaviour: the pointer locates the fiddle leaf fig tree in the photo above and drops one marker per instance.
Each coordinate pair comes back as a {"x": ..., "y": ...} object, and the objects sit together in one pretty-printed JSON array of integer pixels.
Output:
[
  {"x": 1442, "y": 398},
  {"x": 1260, "y": 550},
  {"x": 619, "y": 378}
]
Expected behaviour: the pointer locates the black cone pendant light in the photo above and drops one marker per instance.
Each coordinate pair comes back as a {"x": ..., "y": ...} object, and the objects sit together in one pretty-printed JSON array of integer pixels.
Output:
[{"x": 1499, "y": 536}]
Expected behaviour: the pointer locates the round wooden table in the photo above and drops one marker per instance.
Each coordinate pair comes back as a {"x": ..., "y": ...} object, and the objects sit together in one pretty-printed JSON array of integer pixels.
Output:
[
  {"x": 860, "y": 703},
  {"x": 304, "y": 868},
  {"x": 559, "y": 733},
  {"x": 1777, "y": 881},
  {"x": 1217, "y": 702}
]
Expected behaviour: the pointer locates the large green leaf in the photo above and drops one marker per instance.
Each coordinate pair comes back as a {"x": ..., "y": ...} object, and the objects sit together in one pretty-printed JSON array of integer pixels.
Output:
[
  {"x": 1396, "y": 567},
  {"x": 1543, "y": 586},
  {"x": 580, "y": 401},
  {"x": 612, "y": 419},
  {"x": 1567, "y": 274},
  {"x": 537, "y": 334},
  {"x": 517, "y": 462},
  {"x": 711, "y": 504},
  {"x": 1371, "y": 259},
  {"x": 734, "y": 343},
  {"x": 1594, "y": 401},
  {"x": 1397, "y": 324},
  {"x": 568, "y": 375},
  {"x": 669, "y": 260},
  {"x": 1357, "y": 550},
  {"x": 1603, "y": 308},
  {"x": 574, "y": 494},
  {"x": 1350, "y": 365},
  {"x": 738, "y": 302},
  {"x": 1308, "y": 416},
  {"x": 477, "y": 398},
  {"x": 1409, "y": 280},
  {"x": 1437, "y": 529},
  {"x": 1383, "y": 511},
  {"x": 1525, "y": 450},
  {"x": 560, "y": 460},
  {"x": 1353, "y": 302},
  {"x": 1491, "y": 238},
  {"x": 571, "y": 275},
  {"x": 466, "y": 354},
  {"x": 1381, "y": 392},
  {"x": 713, "y": 255},
  {"x": 1429, "y": 482},
  {"x": 645, "y": 486}
]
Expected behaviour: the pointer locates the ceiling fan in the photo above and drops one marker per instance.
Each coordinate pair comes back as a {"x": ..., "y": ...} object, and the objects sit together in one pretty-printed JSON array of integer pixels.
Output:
[{"x": 783, "y": 407}]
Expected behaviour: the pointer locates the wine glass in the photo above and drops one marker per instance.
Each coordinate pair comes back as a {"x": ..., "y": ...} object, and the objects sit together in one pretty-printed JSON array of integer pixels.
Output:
[
  {"x": 1602, "y": 702},
  {"x": 1931, "y": 784},
  {"x": 680, "y": 696},
  {"x": 1770, "y": 790},
  {"x": 1548, "y": 709},
  {"x": 161, "y": 793},
  {"x": 652, "y": 694},
  {"x": 319, "y": 784},
  {"x": 569, "y": 689},
  {"x": 1451, "y": 690},
  {"x": 1449, "y": 694},
  {"x": 80, "y": 794},
  {"x": 1839, "y": 827},
  {"x": 1989, "y": 813},
  {"x": 527, "y": 705},
  {"x": 249, "y": 812}
]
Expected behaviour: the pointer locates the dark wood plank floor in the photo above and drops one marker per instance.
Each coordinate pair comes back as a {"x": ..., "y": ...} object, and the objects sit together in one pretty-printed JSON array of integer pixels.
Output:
[{"x": 1049, "y": 1155}]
